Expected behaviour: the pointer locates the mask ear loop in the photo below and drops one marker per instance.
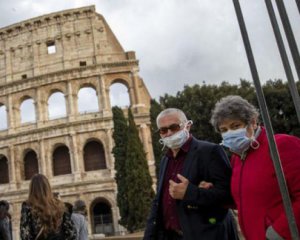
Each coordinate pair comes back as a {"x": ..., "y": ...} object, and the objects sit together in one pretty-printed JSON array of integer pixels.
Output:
[
  {"x": 189, "y": 122},
  {"x": 161, "y": 141},
  {"x": 254, "y": 144},
  {"x": 187, "y": 132}
]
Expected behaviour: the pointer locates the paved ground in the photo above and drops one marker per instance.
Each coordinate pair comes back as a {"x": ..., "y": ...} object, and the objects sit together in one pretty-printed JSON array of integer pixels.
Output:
[{"x": 133, "y": 236}]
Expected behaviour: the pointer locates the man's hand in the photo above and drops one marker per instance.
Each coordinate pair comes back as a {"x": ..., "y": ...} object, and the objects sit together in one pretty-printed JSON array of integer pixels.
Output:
[
  {"x": 205, "y": 185},
  {"x": 177, "y": 190}
]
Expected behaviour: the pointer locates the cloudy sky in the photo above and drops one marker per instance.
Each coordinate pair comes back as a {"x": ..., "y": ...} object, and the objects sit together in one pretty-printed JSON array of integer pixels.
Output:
[{"x": 180, "y": 42}]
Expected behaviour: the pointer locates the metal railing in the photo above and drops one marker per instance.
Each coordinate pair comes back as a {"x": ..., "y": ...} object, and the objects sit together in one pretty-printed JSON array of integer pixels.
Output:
[
  {"x": 103, "y": 224},
  {"x": 264, "y": 110}
]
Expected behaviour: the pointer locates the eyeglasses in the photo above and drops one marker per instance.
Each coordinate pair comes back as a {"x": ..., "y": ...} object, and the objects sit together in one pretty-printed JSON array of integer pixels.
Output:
[{"x": 173, "y": 127}]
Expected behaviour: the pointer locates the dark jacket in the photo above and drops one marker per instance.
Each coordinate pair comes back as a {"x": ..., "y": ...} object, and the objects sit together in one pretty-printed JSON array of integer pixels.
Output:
[
  {"x": 5, "y": 233},
  {"x": 5, "y": 223},
  {"x": 202, "y": 212}
]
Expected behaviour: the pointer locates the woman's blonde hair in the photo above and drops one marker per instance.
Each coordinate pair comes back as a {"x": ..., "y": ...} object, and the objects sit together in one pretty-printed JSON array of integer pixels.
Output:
[{"x": 48, "y": 209}]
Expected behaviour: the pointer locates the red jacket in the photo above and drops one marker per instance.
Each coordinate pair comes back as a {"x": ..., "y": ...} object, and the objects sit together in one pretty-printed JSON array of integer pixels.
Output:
[{"x": 256, "y": 191}]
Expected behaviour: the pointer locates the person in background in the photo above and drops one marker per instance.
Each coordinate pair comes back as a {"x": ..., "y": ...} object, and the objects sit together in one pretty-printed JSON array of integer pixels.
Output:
[
  {"x": 44, "y": 216},
  {"x": 69, "y": 206},
  {"x": 254, "y": 184},
  {"x": 79, "y": 218},
  {"x": 5, "y": 222},
  {"x": 182, "y": 210}
]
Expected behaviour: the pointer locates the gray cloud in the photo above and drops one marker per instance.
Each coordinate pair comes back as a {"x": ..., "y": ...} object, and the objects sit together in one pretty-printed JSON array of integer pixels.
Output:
[{"x": 180, "y": 42}]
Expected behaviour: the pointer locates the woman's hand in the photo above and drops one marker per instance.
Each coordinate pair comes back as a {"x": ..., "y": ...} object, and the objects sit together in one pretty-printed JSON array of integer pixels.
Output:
[{"x": 205, "y": 185}]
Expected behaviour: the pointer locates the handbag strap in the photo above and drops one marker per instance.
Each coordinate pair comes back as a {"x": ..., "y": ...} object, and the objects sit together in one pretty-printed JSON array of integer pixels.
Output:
[{"x": 39, "y": 234}]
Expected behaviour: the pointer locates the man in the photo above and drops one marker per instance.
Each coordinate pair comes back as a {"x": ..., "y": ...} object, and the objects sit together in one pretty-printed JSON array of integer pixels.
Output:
[
  {"x": 79, "y": 218},
  {"x": 181, "y": 209}
]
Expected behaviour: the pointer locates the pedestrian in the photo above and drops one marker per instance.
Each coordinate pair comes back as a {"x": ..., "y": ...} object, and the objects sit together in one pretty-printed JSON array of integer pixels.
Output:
[
  {"x": 182, "y": 210},
  {"x": 254, "y": 184},
  {"x": 79, "y": 218},
  {"x": 43, "y": 216},
  {"x": 5, "y": 222}
]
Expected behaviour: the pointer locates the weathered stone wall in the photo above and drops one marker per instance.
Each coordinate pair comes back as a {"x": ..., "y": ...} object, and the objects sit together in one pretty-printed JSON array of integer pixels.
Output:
[{"x": 86, "y": 54}]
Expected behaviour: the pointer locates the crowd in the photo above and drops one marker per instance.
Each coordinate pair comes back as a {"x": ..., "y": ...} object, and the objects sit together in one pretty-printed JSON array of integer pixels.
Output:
[
  {"x": 44, "y": 216},
  {"x": 197, "y": 185}
]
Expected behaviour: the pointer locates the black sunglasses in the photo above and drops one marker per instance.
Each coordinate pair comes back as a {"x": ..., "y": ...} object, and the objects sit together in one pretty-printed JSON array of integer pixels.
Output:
[{"x": 173, "y": 127}]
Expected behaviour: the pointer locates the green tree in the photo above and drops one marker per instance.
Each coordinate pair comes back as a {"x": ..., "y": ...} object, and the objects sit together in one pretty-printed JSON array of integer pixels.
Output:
[
  {"x": 139, "y": 182},
  {"x": 119, "y": 151},
  {"x": 281, "y": 107},
  {"x": 198, "y": 101},
  {"x": 155, "y": 109}
]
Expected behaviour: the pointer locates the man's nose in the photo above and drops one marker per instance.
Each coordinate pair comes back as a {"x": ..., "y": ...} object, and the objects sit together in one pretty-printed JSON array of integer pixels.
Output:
[{"x": 169, "y": 133}]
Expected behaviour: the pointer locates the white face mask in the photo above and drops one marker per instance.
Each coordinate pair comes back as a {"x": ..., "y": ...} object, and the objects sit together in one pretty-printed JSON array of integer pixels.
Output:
[{"x": 176, "y": 140}]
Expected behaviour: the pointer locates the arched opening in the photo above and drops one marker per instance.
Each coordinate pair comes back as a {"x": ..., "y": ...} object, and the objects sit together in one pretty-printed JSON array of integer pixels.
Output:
[
  {"x": 94, "y": 157},
  {"x": 31, "y": 166},
  {"x": 61, "y": 161},
  {"x": 102, "y": 219},
  {"x": 3, "y": 117},
  {"x": 27, "y": 110},
  {"x": 56, "y": 106},
  {"x": 118, "y": 95},
  {"x": 87, "y": 100},
  {"x": 4, "y": 175}
]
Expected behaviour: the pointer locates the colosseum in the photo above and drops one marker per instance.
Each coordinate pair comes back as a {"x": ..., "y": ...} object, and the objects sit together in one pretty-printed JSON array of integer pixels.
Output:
[{"x": 58, "y": 56}]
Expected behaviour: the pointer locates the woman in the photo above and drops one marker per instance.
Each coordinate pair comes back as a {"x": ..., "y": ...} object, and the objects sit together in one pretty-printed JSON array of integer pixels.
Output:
[
  {"x": 43, "y": 216},
  {"x": 254, "y": 184}
]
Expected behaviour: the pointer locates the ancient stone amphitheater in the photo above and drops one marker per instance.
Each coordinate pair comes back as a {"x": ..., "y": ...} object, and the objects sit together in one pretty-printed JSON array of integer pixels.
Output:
[{"x": 60, "y": 54}]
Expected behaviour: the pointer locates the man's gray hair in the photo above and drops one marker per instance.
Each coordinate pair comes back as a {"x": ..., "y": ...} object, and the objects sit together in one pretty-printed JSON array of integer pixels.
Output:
[
  {"x": 233, "y": 107},
  {"x": 79, "y": 206},
  {"x": 172, "y": 111}
]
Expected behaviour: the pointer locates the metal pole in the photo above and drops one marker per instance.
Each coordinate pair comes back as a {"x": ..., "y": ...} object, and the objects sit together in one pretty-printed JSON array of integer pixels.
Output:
[
  {"x": 283, "y": 54},
  {"x": 266, "y": 118},
  {"x": 289, "y": 34},
  {"x": 298, "y": 5}
]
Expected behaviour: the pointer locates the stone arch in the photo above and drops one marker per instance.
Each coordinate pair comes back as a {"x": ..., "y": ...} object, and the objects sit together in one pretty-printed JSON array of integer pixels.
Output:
[
  {"x": 121, "y": 81},
  {"x": 4, "y": 172},
  {"x": 27, "y": 110},
  {"x": 56, "y": 88},
  {"x": 56, "y": 105},
  {"x": 102, "y": 217},
  {"x": 119, "y": 93},
  {"x": 3, "y": 117},
  {"x": 31, "y": 165},
  {"x": 94, "y": 155},
  {"x": 61, "y": 160},
  {"x": 87, "y": 99},
  {"x": 138, "y": 93}
]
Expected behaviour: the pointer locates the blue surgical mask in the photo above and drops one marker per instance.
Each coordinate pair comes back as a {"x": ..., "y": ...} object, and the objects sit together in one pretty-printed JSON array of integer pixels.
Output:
[{"x": 236, "y": 140}]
